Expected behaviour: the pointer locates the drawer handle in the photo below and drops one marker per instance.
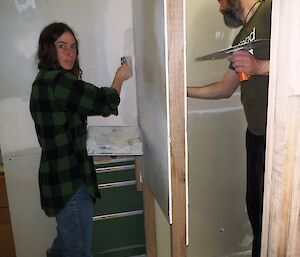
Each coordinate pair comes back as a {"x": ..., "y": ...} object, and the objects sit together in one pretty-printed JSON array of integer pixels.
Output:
[
  {"x": 117, "y": 215},
  {"x": 113, "y": 160},
  {"x": 116, "y": 168},
  {"x": 117, "y": 184}
]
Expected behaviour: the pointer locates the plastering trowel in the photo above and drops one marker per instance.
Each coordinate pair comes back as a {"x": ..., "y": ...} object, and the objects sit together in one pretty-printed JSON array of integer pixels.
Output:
[{"x": 228, "y": 51}]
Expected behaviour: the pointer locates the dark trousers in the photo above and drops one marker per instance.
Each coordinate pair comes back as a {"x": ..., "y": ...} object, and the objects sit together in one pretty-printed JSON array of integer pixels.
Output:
[{"x": 256, "y": 146}]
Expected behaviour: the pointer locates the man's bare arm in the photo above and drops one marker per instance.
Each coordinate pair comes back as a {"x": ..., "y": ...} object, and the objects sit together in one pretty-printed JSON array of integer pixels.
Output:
[{"x": 217, "y": 90}]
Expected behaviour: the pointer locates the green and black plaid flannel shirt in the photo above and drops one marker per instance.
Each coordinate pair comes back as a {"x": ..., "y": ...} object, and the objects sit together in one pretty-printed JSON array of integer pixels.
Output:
[{"x": 59, "y": 105}]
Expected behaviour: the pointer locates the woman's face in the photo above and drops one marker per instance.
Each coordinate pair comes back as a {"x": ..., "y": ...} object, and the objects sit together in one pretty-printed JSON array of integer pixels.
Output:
[{"x": 66, "y": 50}]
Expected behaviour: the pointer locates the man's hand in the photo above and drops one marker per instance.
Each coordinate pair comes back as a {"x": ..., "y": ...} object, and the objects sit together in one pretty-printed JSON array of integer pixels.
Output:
[{"x": 243, "y": 61}]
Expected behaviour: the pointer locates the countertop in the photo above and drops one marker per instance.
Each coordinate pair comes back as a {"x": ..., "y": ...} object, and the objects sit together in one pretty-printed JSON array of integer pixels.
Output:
[{"x": 114, "y": 140}]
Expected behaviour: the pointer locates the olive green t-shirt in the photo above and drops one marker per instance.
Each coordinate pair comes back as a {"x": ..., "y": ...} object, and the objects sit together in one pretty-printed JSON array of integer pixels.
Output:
[{"x": 254, "y": 92}]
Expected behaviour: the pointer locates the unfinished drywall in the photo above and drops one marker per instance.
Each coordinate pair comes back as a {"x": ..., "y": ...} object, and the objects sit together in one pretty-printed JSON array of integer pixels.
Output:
[
  {"x": 149, "y": 31},
  {"x": 218, "y": 221},
  {"x": 104, "y": 30}
]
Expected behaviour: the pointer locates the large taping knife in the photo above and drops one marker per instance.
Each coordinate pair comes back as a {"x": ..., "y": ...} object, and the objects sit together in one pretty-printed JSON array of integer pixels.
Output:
[{"x": 259, "y": 43}]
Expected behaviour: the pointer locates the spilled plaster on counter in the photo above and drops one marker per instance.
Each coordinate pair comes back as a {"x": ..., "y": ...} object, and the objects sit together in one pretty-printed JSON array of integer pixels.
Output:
[{"x": 114, "y": 141}]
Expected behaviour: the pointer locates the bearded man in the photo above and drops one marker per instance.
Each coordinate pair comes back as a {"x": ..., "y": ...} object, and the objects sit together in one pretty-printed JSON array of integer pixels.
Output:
[{"x": 255, "y": 18}]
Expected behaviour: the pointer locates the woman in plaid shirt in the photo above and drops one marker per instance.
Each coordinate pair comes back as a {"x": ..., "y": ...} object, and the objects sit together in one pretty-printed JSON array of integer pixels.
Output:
[{"x": 59, "y": 104}]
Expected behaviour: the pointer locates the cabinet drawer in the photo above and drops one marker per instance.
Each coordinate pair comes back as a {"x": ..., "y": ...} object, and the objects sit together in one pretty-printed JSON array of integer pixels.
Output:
[
  {"x": 115, "y": 174},
  {"x": 119, "y": 237},
  {"x": 118, "y": 199}
]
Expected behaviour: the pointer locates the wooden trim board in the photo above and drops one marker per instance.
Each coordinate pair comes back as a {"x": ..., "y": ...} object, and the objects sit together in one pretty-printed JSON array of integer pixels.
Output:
[
  {"x": 281, "y": 234},
  {"x": 177, "y": 98}
]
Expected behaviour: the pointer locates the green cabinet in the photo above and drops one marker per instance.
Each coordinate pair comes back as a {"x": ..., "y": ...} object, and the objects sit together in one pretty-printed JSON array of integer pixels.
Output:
[{"x": 118, "y": 215}]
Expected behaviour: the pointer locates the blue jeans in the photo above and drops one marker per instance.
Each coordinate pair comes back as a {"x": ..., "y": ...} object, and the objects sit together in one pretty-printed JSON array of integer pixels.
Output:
[{"x": 74, "y": 227}]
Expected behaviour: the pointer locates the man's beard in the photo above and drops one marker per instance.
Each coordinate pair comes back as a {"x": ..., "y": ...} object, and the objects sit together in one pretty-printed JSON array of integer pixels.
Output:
[{"x": 232, "y": 14}]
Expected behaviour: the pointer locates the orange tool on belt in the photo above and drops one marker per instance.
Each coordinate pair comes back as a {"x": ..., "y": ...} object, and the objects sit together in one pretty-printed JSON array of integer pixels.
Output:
[{"x": 259, "y": 43}]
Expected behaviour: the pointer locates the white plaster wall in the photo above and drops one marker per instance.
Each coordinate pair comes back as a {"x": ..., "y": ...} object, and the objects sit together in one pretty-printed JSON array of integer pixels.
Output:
[
  {"x": 104, "y": 30},
  {"x": 218, "y": 221}
]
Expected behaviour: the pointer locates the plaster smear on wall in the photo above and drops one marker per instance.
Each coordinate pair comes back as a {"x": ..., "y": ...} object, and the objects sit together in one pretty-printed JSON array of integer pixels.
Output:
[
  {"x": 246, "y": 253},
  {"x": 217, "y": 110},
  {"x": 24, "y": 5},
  {"x": 17, "y": 132},
  {"x": 247, "y": 241},
  {"x": 27, "y": 47}
]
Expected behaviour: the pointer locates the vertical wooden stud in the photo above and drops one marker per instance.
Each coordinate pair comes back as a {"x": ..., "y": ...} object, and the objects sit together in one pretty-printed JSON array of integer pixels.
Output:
[{"x": 177, "y": 98}]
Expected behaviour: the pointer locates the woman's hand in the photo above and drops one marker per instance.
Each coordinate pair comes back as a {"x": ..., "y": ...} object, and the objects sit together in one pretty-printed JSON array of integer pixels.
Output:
[{"x": 123, "y": 73}]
